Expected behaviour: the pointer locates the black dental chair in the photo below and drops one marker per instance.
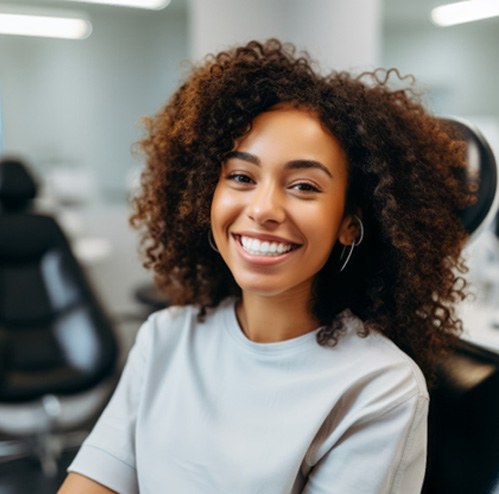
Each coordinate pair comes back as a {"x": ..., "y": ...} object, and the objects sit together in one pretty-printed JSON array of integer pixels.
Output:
[
  {"x": 463, "y": 439},
  {"x": 58, "y": 350}
]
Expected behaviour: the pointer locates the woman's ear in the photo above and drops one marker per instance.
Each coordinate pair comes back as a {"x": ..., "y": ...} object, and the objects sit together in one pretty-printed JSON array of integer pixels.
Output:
[{"x": 351, "y": 229}]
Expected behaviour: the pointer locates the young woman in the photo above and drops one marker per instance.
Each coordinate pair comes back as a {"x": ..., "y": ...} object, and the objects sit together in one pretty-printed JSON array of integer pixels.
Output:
[{"x": 306, "y": 229}]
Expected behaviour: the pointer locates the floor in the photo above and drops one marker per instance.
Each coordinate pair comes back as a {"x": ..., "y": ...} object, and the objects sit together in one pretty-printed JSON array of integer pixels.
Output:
[{"x": 26, "y": 477}]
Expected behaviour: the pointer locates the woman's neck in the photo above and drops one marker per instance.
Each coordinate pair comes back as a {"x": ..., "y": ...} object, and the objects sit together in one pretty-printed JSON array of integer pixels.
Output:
[{"x": 271, "y": 319}]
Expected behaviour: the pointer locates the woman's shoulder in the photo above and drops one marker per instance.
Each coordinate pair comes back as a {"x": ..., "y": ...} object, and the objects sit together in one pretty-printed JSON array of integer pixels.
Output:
[
  {"x": 172, "y": 323},
  {"x": 379, "y": 361},
  {"x": 173, "y": 314}
]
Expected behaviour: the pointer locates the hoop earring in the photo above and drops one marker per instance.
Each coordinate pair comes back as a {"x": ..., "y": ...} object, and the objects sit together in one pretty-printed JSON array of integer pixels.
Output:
[
  {"x": 211, "y": 241},
  {"x": 346, "y": 255}
]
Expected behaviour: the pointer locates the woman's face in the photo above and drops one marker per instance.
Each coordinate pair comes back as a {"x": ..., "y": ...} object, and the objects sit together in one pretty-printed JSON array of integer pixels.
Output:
[{"x": 278, "y": 207}]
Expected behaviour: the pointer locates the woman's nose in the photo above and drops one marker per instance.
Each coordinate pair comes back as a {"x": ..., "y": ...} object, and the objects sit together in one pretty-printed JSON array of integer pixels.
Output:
[{"x": 267, "y": 205}]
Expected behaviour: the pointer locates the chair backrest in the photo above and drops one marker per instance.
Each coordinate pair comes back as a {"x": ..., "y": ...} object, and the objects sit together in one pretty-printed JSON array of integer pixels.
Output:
[
  {"x": 54, "y": 335},
  {"x": 481, "y": 172},
  {"x": 17, "y": 185}
]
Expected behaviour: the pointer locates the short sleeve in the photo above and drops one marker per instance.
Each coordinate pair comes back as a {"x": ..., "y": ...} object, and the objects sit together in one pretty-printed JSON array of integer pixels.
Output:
[
  {"x": 108, "y": 454},
  {"x": 380, "y": 454}
]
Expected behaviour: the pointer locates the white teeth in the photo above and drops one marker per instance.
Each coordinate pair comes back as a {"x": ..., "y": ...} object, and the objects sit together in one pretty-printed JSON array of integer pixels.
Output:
[{"x": 256, "y": 247}]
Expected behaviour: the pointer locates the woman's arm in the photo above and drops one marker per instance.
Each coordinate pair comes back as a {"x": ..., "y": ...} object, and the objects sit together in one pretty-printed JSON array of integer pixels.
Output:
[{"x": 79, "y": 484}]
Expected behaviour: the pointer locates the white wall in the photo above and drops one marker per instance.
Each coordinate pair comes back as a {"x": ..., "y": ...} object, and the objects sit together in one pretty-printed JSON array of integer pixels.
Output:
[
  {"x": 459, "y": 64},
  {"x": 339, "y": 34},
  {"x": 77, "y": 103}
]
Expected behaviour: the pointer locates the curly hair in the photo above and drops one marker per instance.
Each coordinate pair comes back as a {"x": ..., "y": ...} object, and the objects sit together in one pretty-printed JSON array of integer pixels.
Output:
[{"x": 405, "y": 177}]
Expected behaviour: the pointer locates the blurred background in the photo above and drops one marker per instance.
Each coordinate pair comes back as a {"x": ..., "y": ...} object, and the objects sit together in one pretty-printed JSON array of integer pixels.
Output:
[{"x": 71, "y": 108}]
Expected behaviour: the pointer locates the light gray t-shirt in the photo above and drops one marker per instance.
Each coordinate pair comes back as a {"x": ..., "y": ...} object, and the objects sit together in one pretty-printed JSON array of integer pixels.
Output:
[{"x": 201, "y": 409}]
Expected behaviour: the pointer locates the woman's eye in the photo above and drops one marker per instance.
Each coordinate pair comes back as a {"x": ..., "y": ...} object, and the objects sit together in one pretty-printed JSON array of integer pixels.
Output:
[
  {"x": 305, "y": 187},
  {"x": 239, "y": 178}
]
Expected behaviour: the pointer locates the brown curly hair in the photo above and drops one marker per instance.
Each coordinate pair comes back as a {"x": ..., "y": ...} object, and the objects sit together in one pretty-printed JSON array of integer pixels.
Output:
[{"x": 405, "y": 176}]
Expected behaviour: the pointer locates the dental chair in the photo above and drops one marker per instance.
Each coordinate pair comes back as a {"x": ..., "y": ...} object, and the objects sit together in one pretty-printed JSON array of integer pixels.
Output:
[
  {"x": 463, "y": 436},
  {"x": 58, "y": 349}
]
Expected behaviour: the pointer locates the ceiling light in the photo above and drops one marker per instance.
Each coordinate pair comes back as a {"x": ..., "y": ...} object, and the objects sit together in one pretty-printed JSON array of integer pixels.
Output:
[
  {"x": 140, "y": 4},
  {"x": 46, "y": 23},
  {"x": 467, "y": 11}
]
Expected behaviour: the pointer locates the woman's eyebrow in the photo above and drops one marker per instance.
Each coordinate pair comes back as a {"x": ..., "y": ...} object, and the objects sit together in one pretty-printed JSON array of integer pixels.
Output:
[
  {"x": 308, "y": 164},
  {"x": 242, "y": 155},
  {"x": 291, "y": 165}
]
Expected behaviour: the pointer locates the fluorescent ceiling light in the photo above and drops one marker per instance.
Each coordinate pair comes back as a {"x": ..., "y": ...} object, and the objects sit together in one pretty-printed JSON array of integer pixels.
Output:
[
  {"x": 45, "y": 26},
  {"x": 45, "y": 23},
  {"x": 467, "y": 11},
  {"x": 140, "y": 4}
]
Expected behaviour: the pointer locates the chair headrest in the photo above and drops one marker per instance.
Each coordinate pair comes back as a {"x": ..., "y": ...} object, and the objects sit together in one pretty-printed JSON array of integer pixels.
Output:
[
  {"x": 481, "y": 172},
  {"x": 17, "y": 185}
]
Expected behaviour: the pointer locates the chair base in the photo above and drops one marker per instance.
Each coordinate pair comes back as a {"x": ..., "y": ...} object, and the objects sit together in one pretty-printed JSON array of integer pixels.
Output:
[
  {"x": 45, "y": 428},
  {"x": 46, "y": 448}
]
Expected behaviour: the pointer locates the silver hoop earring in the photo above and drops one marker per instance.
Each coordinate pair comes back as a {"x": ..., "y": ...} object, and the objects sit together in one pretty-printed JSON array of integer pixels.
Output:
[
  {"x": 347, "y": 254},
  {"x": 211, "y": 241}
]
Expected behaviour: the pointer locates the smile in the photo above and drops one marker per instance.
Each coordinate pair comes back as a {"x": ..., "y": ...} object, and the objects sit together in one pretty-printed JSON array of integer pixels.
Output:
[{"x": 256, "y": 247}]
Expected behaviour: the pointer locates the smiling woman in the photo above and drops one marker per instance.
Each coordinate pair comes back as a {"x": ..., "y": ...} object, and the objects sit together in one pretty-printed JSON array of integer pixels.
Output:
[
  {"x": 306, "y": 229},
  {"x": 276, "y": 213}
]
